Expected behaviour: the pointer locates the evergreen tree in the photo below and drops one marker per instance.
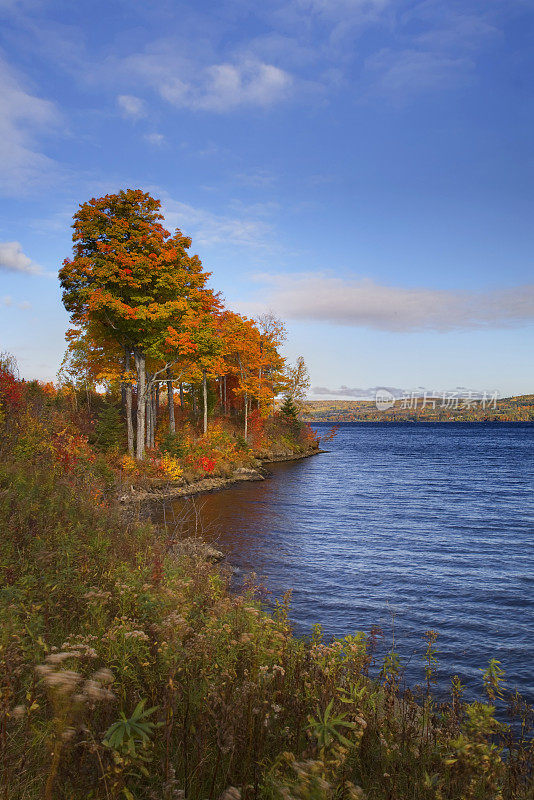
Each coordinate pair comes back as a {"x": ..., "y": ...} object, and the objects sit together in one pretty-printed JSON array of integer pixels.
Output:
[
  {"x": 289, "y": 409},
  {"x": 108, "y": 429}
]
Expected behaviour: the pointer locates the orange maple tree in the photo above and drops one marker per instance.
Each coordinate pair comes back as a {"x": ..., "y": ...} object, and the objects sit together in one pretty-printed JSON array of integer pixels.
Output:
[{"x": 138, "y": 282}]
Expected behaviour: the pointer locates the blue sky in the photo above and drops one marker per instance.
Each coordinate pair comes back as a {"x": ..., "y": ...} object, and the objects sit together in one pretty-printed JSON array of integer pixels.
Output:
[{"x": 364, "y": 168}]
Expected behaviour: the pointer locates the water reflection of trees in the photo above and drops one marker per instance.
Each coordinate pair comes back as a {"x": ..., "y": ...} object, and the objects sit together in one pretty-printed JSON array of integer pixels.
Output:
[{"x": 237, "y": 519}]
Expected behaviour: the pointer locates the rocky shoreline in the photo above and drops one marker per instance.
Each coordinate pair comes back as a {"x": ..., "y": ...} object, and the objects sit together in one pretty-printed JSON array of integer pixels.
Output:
[{"x": 170, "y": 491}]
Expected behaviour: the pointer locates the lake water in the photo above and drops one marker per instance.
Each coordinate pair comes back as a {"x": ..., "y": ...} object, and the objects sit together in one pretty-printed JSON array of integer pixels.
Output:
[{"x": 431, "y": 525}]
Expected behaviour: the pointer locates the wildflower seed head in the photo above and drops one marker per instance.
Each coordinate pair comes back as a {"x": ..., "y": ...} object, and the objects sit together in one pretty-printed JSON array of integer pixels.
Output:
[
  {"x": 63, "y": 681},
  {"x": 104, "y": 676},
  {"x": 231, "y": 793}
]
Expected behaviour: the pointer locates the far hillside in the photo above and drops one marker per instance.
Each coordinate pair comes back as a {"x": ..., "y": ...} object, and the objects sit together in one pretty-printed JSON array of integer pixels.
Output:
[{"x": 437, "y": 408}]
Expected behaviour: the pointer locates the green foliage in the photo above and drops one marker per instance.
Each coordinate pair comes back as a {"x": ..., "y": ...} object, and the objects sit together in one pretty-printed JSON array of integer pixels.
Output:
[
  {"x": 327, "y": 727},
  {"x": 431, "y": 660},
  {"x": 507, "y": 409},
  {"x": 126, "y": 734},
  {"x": 391, "y": 668},
  {"x": 172, "y": 443},
  {"x": 493, "y": 678},
  {"x": 242, "y": 444},
  {"x": 289, "y": 409},
  {"x": 108, "y": 429}
]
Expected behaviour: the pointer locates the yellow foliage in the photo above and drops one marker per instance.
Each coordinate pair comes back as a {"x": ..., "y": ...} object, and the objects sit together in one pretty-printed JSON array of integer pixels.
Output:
[
  {"x": 171, "y": 467},
  {"x": 128, "y": 463}
]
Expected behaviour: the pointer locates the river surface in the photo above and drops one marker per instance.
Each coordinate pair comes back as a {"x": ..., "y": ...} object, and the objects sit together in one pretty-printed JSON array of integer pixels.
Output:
[{"x": 412, "y": 526}]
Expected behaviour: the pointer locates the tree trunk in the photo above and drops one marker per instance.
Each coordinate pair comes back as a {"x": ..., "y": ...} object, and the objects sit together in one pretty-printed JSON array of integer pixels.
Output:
[
  {"x": 129, "y": 420},
  {"x": 170, "y": 403},
  {"x": 126, "y": 367},
  {"x": 181, "y": 397},
  {"x": 151, "y": 412},
  {"x": 127, "y": 392},
  {"x": 148, "y": 404},
  {"x": 225, "y": 404},
  {"x": 246, "y": 416},
  {"x": 205, "y": 400},
  {"x": 155, "y": 407},
  {"x": 140, "y": 365}
]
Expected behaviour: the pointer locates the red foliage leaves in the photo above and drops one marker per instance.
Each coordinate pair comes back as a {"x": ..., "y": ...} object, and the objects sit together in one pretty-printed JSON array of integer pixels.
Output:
[
  {"x": 310, "y": 436},
  {"x": 256, "y": 426},
  {"x": 11, "y": 390},
  {"x": 71, "y": 449},
  {"x": 330, "y": 434}
]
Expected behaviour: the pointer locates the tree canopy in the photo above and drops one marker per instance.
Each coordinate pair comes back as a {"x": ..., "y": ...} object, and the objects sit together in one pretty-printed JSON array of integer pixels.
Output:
[{"x": 136, "y": 294}]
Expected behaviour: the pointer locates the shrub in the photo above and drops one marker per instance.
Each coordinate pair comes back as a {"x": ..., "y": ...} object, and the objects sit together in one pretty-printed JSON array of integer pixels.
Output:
[
  {"x": 129, "y": 464},
  {"x": 172, "y": 444},
  {"x": 206, "y": 464},
  {"x": 171, "y": 467}
]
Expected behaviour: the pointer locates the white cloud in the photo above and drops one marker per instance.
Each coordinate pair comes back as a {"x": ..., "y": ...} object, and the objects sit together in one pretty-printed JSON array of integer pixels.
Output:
[
  {"x": 398, "y": 73},
  {"x": 342, "y": 8},
  {"x": 358, "y": 394},
  {"x": 13, "y": 259},
  {"x": 23, "y": 115},
  {"x": 256, "y": 177},
  {"x": 218, "y": 87},
  {"x": 414, "y": 391},
  {"x": 131, "y": 106},
  {"x": 318, "y": 297},
  {"x": 7, "y": 301},
  {"x": 208, "y": 229},
  {"x": 436, "y": 48},
  {"x": 157, "y": 139},
  {"x": 250, "y": 83},
  {"x": 442, "y": 27},
  {"x": 416, "y": 47}
]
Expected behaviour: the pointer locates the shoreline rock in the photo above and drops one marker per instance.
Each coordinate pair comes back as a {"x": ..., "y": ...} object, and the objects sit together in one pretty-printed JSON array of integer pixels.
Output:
[
  {"x": 197, "y": 548},
  {"x": 205, "y": 485}
]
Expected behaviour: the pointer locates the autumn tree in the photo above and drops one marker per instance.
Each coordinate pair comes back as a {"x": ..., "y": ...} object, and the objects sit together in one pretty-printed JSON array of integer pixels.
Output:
[
  {"x": 298, "y": 381},
  {"x": 92, "y": 359},
  {"x": 242, "y": 356},
  {"x": 271, "y": 374},
  {"x": 133, "y": 278},
  {"x": 208, "y": 356}
]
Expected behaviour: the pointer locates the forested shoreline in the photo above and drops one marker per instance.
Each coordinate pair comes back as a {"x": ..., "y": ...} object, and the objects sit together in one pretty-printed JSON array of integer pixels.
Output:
[
  {"x": 158, "y": 372},
  {"x": 445, "y": 407}
]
